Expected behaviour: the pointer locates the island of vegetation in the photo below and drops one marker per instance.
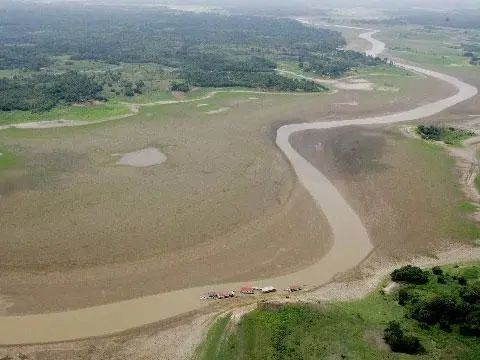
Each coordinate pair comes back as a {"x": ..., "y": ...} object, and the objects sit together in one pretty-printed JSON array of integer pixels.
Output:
[{"x": 449, "y": 135}]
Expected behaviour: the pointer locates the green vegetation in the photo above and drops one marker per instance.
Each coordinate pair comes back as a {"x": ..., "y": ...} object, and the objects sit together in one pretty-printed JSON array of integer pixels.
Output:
[
  {"x": 210, "y": 348},
  {"x": 53, "y": 56},
  {"x": 242, "y": 51},
  {"x": 437, "y": 46},
  {"x": 7, "y": 159},
  {"x": 450, "y": 300},
  {"x": 43, "y": 92},
  {"x": 469, "y": 207},
  {"x": 439, "y": 166},
  {"x": 456, "y": 18},
  {"x": 410, "y": 274},
  {"x": 472, "y": 51},
  {"x": 155, "y": 36},
  {"x": 477, "y": 183},
  {"x": 363, "y": 329},
  {"x": 337, "y": 63},
  {"x": 266, "y": 80},
  {"x": 398, "y": 341},
  {"x": 179, "y": 86},
  {"x": 449, "y": 135},
  {"x": 84, "y": 112}
]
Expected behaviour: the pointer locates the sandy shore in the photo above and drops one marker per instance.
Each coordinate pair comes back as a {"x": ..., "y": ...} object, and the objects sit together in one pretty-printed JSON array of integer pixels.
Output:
[{"x": 351, "y": 245}]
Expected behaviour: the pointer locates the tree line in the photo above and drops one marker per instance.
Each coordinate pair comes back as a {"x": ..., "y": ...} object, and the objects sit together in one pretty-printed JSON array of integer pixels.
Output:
[
  {"x": 336, "y": 63},
  {"x": 43, "y": 92}
]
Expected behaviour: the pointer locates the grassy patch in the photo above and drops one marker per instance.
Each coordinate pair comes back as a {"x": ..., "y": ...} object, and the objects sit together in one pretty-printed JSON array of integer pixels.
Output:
[
  {"x": 86, "y": 113},
  {"x": 448, "y": 135},
  {"x": 7, "y": 159},
  {"x": 467, "y": 230},
  {"x": 209, "y": 349},
  {"x": 149, "y": 97},
  {"x": 383, "y": 71},
  {"x": 468, "y": 207},
  {"x": 349, "y": 330},
  {"x": 433, "y": 46},
  {"x": 290, "y": 66},
  {"x": 443, "y": 184}
]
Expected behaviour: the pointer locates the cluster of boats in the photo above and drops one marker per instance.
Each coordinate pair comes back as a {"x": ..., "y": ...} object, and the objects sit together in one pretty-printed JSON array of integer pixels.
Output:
[{"x": 215, "y": 295}]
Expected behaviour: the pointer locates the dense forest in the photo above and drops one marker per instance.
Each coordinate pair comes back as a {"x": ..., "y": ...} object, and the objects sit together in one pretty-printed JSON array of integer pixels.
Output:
[
  {"x": 208, "y": 50},
  {"x": 336, "y": 63},
  {"x": 136, "y": 36},
  {"x": 43, "y": 92},
  {"x": 220, "y": 71}
]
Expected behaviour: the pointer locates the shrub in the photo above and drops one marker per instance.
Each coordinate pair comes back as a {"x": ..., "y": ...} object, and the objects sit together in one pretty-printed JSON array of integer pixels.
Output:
[
  {"x": 398, "y": 341},
  {"x": 448, "y": 135},
  {"x": 441, "y": 279},
  {"x": 404, "y": 296},
  {"x": 437, "y": 309},
  {"x": 179, "y": 86},
  {"x": 471, "y": 325},
  {"x": 462, "y": 281},
  {"x": 410, "y": 274},
  {"x": 471, "y": 294},
  {"x": 445, "y": 325},
  {"x": 437, "y": 270}
]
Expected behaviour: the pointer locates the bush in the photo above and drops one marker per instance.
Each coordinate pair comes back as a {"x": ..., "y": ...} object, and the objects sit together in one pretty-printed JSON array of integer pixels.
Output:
[
  {"x": 398, "y": 341},
  {"x": 441, "y": 279},
  {"x": 437, "y": 270},
  {"x": 471, "y": 325},
  {"x": 471, "y": 294},
  {"x": 438, "y": 309},
  {"x": 404, "y": 296},
  {"x": 410, "y": 274},
  {"x": 462, "y": 281},
  {"x": 448, "y": 135},
  {"x": 179, "y": 86}
]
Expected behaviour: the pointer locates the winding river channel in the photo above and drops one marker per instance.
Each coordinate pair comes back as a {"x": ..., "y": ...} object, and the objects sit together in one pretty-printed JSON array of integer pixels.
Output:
[{"x": 351, "y": 241}]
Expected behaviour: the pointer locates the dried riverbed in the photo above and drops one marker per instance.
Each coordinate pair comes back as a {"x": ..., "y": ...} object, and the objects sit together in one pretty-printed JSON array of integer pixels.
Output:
[{"x": 351, "y": 242}]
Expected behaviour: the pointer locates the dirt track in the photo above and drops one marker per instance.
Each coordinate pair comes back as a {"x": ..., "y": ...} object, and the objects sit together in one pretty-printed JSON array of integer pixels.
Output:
[{"x": 346, "y": 225}]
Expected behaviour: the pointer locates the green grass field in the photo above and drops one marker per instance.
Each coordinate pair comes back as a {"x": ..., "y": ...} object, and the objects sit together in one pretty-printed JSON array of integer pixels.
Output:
[
  {"x": 383, "y": 71},
  {"x": 435, "y": 46},
  {"x": 102, "y": 111},
  {"x": 343, "y": 330}
]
